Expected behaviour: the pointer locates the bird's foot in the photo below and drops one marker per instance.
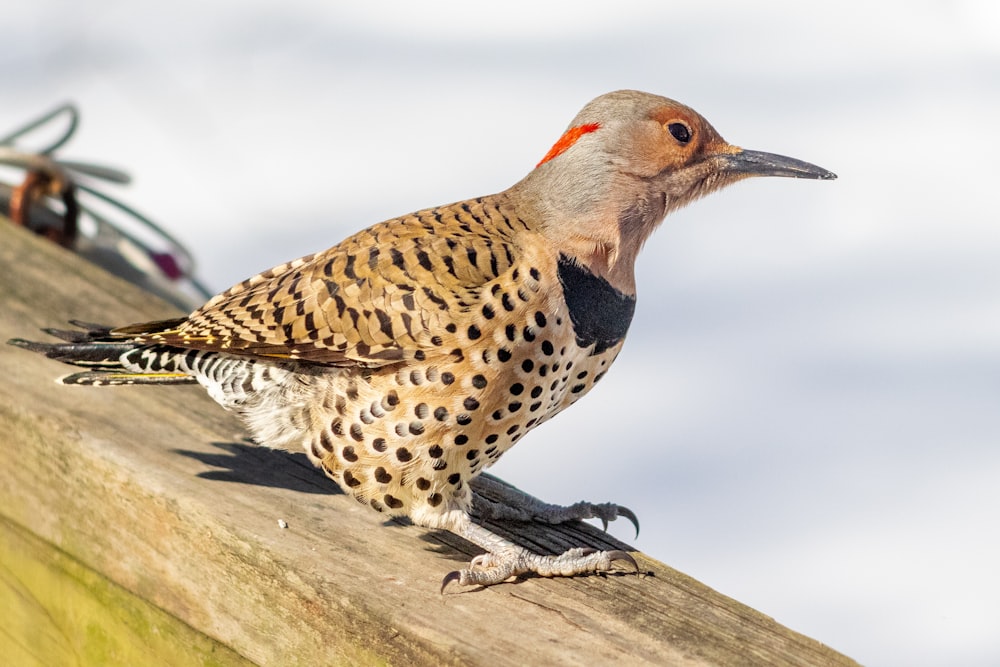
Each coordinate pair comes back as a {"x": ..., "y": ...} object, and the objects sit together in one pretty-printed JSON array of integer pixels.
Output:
[
  {"x": 555, "y": 514},
  {"x": 584, "y": 510},
  {"x": 495, "y": 567},
  {"x": 497, "y": 500}
]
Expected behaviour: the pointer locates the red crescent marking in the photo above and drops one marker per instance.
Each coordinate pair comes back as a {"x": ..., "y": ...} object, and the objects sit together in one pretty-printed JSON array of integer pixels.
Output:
[{"x": 569, "y": 138}]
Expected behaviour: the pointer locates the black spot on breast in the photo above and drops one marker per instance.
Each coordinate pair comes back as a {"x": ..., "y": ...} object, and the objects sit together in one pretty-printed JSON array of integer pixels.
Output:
[
  {"x": 325, "y": 441},
  {"x": 600, "y": 314}
]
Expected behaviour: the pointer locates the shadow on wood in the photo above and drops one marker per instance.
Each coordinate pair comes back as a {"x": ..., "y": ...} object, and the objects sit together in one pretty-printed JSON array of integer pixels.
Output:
[{"x": 156, "y": 490}]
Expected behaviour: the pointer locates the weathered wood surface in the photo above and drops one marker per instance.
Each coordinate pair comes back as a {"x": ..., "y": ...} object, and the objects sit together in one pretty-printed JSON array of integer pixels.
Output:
[{"x": 156, "y": 490}]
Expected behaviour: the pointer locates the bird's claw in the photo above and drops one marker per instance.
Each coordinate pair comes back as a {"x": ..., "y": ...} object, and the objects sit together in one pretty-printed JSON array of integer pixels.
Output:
[
  {"x": 628, "y": 514},
  {"x": 610, "y": 512},
  {"x": 456, "y": 575},
  {"x": 618, "y": 554}
]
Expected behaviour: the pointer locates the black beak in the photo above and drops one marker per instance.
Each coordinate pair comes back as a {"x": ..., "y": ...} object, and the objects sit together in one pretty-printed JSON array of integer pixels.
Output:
[{"x": 756, "y": 163}]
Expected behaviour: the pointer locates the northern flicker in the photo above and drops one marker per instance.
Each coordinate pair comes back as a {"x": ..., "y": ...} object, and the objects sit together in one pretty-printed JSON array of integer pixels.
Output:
[{"x": 413, "y": 354}]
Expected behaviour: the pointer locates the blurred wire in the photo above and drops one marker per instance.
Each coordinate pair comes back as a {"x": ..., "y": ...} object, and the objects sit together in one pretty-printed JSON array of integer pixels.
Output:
[{"x": 47, "y": 201}]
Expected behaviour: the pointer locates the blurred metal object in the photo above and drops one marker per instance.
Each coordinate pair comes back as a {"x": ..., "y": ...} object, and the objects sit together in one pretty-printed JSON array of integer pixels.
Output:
[{"x": 54, "y": 199}]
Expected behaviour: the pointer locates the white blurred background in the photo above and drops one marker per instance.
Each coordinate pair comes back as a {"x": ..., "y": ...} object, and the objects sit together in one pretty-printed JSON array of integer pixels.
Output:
[{"x": 806, "y": 415}]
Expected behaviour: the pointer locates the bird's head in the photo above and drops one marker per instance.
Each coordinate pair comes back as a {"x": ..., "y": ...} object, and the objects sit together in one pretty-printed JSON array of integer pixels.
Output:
[{"x": 626, "y": 160}]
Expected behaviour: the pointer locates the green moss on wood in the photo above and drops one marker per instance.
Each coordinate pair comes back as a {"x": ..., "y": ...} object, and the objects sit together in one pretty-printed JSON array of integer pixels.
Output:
[{"x": 57, "y": 611}]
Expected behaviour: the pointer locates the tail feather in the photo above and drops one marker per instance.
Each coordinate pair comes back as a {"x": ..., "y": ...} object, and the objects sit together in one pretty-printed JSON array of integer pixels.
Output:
[
  {"x": 111, "y": 379},
  {"x": 112, "y": 357},
  {"x": 78, "y": 353},
  {"x": 141, "y": 329},
  {"x": 70, "y": 335},
  {"x": 92, "y": 330}
]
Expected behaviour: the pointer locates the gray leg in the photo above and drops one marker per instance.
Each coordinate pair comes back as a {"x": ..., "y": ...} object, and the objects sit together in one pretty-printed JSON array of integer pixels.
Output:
[{"x": 494, "y": 499}]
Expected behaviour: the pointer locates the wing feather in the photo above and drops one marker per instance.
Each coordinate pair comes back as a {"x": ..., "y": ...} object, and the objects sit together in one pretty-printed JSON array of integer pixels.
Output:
[{"x": 384, "y": 295}]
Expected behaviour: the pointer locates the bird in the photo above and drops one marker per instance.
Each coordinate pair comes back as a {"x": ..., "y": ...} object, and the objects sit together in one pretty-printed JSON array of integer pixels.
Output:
[{"x": 409, "y": 357}]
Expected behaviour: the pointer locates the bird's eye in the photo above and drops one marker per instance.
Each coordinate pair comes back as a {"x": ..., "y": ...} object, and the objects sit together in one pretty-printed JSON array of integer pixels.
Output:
[{"x": 680, "y": 132}]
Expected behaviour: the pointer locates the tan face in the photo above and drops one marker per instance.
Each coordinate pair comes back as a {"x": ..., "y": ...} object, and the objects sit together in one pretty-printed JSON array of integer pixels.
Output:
[{"x": 671, "y": 138}]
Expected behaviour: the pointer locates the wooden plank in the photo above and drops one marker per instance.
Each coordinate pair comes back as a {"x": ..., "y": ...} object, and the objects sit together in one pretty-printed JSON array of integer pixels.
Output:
[
  {"x": 57, "y": 611},
  {"x": 156, "y": 489}
]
